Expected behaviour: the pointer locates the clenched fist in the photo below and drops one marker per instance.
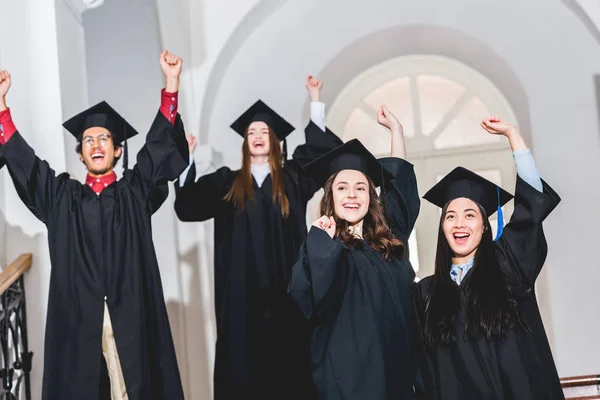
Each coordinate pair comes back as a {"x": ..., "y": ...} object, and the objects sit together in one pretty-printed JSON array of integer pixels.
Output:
[
  {"x": 170, "y": 64},
  {"x": 4, "y": 83},
  {"x": 192, "y": 143},
  {"x": 327, "y": 224},
  {"x": 386, "y": 118},
  {"x": 313, "y": 85}
]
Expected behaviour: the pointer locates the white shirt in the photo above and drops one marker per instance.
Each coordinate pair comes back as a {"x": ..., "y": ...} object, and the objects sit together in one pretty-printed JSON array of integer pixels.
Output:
[
  {"x": 260, "y": 172},
  {"x": 317, "y": 115}
]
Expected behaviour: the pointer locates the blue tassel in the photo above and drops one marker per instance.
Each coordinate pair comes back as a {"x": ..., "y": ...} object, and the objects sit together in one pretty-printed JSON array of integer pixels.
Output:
[{"x": 500, "y": 218}]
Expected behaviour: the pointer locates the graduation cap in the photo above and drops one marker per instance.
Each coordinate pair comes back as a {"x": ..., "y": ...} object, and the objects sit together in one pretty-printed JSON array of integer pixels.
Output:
[
  {"x": 259, "y": 111},
  {"x": 350, "y": 155},
  {"x": 104, "y": 116},
  {"x": 461, "y": 182}
]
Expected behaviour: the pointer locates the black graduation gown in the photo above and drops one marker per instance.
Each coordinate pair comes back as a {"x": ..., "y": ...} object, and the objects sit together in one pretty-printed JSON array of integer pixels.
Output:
[
  {"x": 262, "y": 340},
  {"x": 101, "y": 248},
  {"x": 361, "y": 304},
  {"x": 520, "y": 366}
]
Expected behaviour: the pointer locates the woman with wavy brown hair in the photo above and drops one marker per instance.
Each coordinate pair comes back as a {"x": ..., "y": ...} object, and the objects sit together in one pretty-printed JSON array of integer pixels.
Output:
[
  {"x": 353, "y": 279},
  {"x": 259, "y": 214}
]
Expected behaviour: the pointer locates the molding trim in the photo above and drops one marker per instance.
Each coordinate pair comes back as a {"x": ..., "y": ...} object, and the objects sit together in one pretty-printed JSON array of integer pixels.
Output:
[{"x": 78, "y": 7}]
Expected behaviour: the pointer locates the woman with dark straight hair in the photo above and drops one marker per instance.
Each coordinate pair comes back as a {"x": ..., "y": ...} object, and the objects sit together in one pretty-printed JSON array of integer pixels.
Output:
[
  {"x": 482, "y": 331},
  {"x": 353, "y": 279},
  {"x": 259, "y": 216}
]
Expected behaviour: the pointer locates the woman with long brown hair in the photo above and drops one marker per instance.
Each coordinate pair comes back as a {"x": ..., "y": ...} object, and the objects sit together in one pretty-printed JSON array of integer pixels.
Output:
[
  {"x": 353, "y": 278},
  {"x": 259, "y": 216},
  {"x": 482, "y": 331}
]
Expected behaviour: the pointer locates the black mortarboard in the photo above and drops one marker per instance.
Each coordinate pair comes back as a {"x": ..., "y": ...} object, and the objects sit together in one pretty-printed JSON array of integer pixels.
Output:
[
  {"x": 461, "y": 182},
  {"x": 102, "y": 115},
  {"x": 259, "y": 111},
  {"x": 350, "y": 155}
]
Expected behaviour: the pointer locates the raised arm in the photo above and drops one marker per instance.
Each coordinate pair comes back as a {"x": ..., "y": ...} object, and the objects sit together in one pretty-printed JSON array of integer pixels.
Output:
[
  {"x": 36, "y": 183},
  {"x": 165, "y": 155},
  {"x": 400, "y": 198},
  {"x": 522, "y": 246},
  {"x": 319, "y": 140},
  {"x": 204, "y": 198},
  {"x": 524, "y": 161},
  {"x": 386, "y": 118},
  {"x": 318, "y": 277},
  {"x": 317, "y": 107}
]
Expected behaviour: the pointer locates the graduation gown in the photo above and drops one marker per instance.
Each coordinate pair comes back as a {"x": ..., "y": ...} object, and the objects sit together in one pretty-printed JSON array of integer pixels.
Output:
[
  {"x": 521, "y": 365},
  {"x": 262, "y": 340},
  {"x": 361, "y": 304},
  {"x": 101, "y": 250}
]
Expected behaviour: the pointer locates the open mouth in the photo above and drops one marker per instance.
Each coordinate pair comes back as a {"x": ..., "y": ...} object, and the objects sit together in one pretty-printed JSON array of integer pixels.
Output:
[
  {"x": 351, "y": 206},
  {"x": 461, "y": 237},
  {"x": 258, "y": 145},
  {"x": 97, "y": 157}
]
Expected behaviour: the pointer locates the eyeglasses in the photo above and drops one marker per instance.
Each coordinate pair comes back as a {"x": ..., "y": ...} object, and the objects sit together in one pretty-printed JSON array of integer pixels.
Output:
[{"x": 88, "y": 141}]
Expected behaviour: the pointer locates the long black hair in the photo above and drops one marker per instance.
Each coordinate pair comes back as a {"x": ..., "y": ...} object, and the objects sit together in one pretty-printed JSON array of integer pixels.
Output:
[{"x": 492, "y": 309}]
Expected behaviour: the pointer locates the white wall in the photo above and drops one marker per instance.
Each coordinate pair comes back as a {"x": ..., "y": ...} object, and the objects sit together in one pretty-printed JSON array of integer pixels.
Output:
[{"x": 236, "y": 51}]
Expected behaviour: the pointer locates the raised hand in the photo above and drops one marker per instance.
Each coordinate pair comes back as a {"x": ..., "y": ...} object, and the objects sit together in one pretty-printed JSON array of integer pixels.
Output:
[
  {"x": 327, "y": 224},
  {"x": 171, "y": 66},
  {"x": 5, "y": 82},
  {"x": 313, "y": 85},
  {"x": 192, "y": 143},
  {"x": 495, "y": 126},
  {"x": 386, "y": 118}
]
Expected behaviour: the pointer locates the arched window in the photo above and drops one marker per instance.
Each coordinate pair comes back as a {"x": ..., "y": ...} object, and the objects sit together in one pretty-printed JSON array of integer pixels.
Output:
[{"x": 440, "y": 102}]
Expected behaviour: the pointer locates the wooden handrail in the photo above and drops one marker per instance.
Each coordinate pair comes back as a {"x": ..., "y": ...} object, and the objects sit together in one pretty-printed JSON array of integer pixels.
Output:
[
  {"x": 576, "y": 381},
  {"x": 14, "y": 271}
]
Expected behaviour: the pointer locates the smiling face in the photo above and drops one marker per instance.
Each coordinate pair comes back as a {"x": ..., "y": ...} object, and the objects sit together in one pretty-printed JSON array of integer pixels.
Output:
[
  {"x": 351, "y": 195},
  {"x": 98, "y": 151},
  {"x": 463, "y": 227},
  {"x": 258, "y": 139}
]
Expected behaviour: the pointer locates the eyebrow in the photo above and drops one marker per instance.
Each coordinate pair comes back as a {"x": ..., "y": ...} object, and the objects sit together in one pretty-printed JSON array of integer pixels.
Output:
[
  {"x": 346, "y": 183},
  {"x": 465, "y": 210}
]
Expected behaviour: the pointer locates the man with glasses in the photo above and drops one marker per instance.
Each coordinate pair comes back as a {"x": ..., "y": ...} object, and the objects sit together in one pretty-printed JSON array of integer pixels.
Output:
[{"x": 107, "y": 330}]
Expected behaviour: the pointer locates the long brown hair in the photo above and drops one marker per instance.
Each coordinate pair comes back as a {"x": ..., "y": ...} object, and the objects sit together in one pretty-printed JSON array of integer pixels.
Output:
[
  {"x": 376, "y": 231},
  {"x": 242, "y": 187}
]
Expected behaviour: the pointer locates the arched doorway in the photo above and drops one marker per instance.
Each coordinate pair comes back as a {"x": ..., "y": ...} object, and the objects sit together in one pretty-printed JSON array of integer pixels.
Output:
[{"x": 440, "y": 103}]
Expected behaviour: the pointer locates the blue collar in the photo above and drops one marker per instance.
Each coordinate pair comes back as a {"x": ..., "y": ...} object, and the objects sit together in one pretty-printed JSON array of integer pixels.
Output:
[{"x": 463, "y": 267}]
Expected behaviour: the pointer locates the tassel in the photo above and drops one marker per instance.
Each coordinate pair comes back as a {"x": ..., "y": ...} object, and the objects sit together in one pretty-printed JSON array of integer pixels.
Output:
[
  {"x": 500, "y": 218},
  {"x": 125, "y": 153},
  {"x": 284, "y": 150}
]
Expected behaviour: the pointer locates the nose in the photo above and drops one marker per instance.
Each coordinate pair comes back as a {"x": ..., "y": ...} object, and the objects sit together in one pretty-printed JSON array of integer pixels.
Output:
[{"x": 459, "y": 222}]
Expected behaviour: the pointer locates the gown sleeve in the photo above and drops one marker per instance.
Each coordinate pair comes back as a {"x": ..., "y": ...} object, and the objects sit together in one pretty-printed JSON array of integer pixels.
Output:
[
  {"x": 317, "y": 143},
  {"x": 35, "y": 182},
  {"x": 203, "y": 199},
  {"x": 424, "y": 382},
  {"x": 522, "y": 248},
  {"x": 400, "y": 198},
  {"x": 163, "y": 158},
  {"x": 318, "y": 277}
]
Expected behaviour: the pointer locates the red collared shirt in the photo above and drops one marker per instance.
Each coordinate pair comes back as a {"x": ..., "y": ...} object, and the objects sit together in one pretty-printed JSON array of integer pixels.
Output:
[{"x": 98, "y": 184}]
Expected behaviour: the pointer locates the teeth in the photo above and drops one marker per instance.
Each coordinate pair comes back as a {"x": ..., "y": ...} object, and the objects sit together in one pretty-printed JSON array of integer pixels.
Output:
[{"x": 461, "y": 235}]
